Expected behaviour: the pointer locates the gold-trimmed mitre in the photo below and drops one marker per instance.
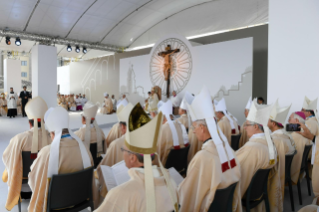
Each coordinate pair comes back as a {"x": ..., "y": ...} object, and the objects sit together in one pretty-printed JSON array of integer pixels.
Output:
[{"x": 142, "y": 132}]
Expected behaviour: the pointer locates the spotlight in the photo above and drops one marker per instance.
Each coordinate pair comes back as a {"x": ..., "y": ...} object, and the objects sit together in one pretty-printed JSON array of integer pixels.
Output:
[
  {"x": 69, "y": 49},
  {"x": 77, "y": 49},
  {"x": 18, "y": 41},
  {"x": 8, "y": 42},
  {"x": 84, "y": 50}
]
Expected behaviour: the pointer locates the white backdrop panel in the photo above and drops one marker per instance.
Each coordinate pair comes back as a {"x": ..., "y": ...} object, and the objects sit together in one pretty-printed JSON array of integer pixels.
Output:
[
  {"x": 63, "y": 79},
  {"x": 225, "y": 68},
  {"x": 293, "y": 57},
  {"x": 12, "y": 75}
]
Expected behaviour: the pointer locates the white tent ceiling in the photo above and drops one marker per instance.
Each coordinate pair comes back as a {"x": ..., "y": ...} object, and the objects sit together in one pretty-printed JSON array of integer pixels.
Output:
[{"x": 125, "y": 23}]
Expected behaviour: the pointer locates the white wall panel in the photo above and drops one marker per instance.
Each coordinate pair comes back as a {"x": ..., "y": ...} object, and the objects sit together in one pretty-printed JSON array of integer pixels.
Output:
[
  {"x": 293, "y": 67},
  {"x": 12, "y": 75}
]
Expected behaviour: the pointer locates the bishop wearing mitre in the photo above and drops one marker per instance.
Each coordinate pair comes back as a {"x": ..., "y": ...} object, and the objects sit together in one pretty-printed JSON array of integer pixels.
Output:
[
  {"x": 185, "y": 119},
  {"x": 90, "y": 132},
  {"x": 214, "y": 167},
  {"x": 31, "y": 140},
  {"x": 244, "y": 138},
  {"x": 225, "y": 123},
  {"x": 107, "y": 106},
  {"x": 260, "y": 153},
  {"x": 114, "y": 153},
  {"x": 150, "y": 187},
  {"x": 66, "y": 154},
  {"x": 310, "y": 110},
  {"x": 284, "y": 142},
  {"x": 116, "y": 131},
  {"x": 173, "y": 134}
]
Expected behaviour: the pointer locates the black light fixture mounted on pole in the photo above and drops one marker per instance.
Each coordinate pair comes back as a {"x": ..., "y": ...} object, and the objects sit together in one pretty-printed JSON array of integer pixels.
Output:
[
  {"x": 8, "y": 42},
  {"x": 18, "y": 41}
]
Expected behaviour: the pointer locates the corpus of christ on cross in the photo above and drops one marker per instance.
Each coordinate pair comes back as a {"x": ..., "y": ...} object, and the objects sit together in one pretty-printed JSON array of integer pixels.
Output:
[{"x": 167, "y": 64}]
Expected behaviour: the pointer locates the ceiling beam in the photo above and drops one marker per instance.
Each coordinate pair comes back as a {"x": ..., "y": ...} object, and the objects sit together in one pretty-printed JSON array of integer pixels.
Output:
[
  {"x": 124, "y": 19},
  {"x": 49, "y": 40},
  {"x": 210, "y": 1},
  {"x": 80, "y": 18},
  {"x": 35, "y": 7}
]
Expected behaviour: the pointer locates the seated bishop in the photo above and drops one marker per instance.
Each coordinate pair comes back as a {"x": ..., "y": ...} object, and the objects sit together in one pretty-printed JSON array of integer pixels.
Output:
[
  {"x": 66, "y": 154},
  {"x": 150, "y": 188},
  {"x": 225, "y": 123},
  {"x": 107, "y": 107},
  {"x": 91, "y": 133},
  {"x": 312, "y": 121},
  {"x": 115, "y": 131},
  {"x": 114, "y": 153},
  {"x": 244, "y": 138},
  {"x": 284, "y": 142},
  {"x": 32, "y": 140},
  {"x": 260, "y": 153},
  {"x": 212, "y": 168},
  {"x": 173, "y": 134},
  {"x": 300, "y": 143}
]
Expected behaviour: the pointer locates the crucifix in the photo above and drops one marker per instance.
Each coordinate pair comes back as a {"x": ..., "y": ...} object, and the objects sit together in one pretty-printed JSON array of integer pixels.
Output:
[{"x": 167, "y": 64}]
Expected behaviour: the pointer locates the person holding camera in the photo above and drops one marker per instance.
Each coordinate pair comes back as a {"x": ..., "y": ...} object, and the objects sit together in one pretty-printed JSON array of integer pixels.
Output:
[
  {"x": 309, "y": 108},
  {"x": 300, "y": 142}
]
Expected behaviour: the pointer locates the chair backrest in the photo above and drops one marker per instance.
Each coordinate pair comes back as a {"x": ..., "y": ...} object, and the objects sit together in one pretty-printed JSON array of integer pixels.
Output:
[
  {"x": 235, "y": 141},
  {"x": 288, "y": 161},
  {"x": 305, "y": 156},
  {"x": 70, "y": 189},
  {"x": 93, "y": 150},
  {"x": 257, "y": 184},
  {"x": 223, "y": 200},
  {"x": 26, "y": 163},
  {"x": 177, "y": 158}
]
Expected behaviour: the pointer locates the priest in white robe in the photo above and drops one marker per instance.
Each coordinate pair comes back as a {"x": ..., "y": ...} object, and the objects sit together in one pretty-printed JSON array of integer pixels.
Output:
[
  {"x": 31, "y": 140},
  {"x": 225, "y": 123},
  {"x": 84, "y": 100},
  {"x": 90, "y": 132},
  {"x": 150, "y": 187},
  {"x": 114, "y": 153},
  {"x": 12, "y": 99},
  {"x": 260, "y": 153},
  {"x": 173, "y": 134},
  {"x": 68, "y": 155},
  {"x": 78, "y": 103},
  {"x": 214, "y": 167}
]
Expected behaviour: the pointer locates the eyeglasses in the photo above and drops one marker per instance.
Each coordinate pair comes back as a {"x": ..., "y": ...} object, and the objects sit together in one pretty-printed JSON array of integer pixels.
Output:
[{"x": 128, "y": 151}]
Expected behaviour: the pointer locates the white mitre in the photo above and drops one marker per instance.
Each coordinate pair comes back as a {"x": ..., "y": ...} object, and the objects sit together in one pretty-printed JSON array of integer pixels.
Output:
[
  {"x": 167, "y": 109},
  {"x": 142, "y": 137},
  {"x": 260, "y": 115},
  {"x": 279, "y": 114},
  {"x": 105, "y": 94},
  {"x": 221, "y": 106},
  {"x": 188, "y": 97},
  {"x": 57, "y": 120},
  {"x": 202, "y": 108},
  {"x": 248, "y": 105},
  {"x": 311, "y": 105},
  {"x": 35, "y": 110},
  {"x": 124, "y": 112},
  {"x": 89, "y": 112}
]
